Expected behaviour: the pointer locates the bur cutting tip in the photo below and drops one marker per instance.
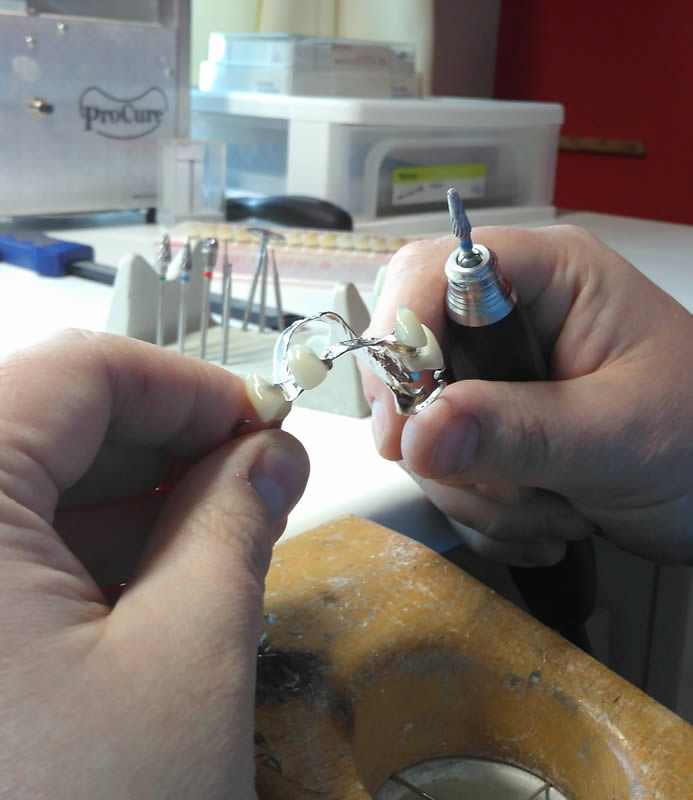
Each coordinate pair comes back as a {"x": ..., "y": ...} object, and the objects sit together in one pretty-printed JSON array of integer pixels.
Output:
[
  {"x": 186, "y": 259},
  {"x": 163, "y": 254},
  {"x": 461, "y": 226}
]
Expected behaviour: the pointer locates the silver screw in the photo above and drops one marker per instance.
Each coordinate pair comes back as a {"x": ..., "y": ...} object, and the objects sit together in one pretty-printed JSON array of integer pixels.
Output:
[
  {"x": 62, "y": 27},
  {"x": 30, "y": 42}
]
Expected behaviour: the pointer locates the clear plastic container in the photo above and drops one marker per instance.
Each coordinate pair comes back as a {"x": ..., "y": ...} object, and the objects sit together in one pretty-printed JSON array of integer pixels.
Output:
[
  {"x": 224, "y": 77},
  {"x": 379, "y": 158},
  {"x": 308, "y": 65}
]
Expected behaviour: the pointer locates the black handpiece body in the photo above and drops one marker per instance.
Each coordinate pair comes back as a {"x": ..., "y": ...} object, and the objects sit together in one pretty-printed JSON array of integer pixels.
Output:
[
  {"x": 561, "y": 596},
  {"x": 505, "y": 350},
  {"x": 489, "y": 337}
]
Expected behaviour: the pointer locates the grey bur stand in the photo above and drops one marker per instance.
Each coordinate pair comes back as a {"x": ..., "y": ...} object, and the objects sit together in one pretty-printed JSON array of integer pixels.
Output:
[{"x": 133, "y": 313}]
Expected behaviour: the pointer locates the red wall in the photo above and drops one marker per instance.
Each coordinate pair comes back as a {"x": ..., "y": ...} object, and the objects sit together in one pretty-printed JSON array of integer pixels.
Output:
[{"x": 622, "y": 70}]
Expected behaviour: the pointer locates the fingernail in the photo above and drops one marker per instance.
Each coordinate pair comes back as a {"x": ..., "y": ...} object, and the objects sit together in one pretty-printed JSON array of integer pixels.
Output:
[
  {"x": 279, "y": 477},
  {"x": 456, "y": 447},
  {"x": 378, "y": 423}
]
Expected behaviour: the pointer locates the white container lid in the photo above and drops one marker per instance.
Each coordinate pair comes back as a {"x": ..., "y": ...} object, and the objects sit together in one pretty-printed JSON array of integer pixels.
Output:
[{"x": 443, "y": 112}]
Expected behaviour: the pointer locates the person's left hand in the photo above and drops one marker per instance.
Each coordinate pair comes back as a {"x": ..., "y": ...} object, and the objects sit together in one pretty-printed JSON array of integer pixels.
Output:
[{"x": 155, "y": 696}]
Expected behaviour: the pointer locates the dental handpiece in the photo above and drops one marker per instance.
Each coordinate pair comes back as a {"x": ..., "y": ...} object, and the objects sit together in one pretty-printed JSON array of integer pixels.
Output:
[{"x": 490, "y": 338}]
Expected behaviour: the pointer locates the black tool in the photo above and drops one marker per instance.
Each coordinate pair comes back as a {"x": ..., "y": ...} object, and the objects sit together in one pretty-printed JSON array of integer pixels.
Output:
[
  {"x": 490, "y": 338},
  {"x": 292, "y": 210}
]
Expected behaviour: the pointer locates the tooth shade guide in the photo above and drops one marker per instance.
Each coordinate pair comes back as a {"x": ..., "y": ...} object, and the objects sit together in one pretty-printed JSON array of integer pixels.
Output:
[{"x": 308, "y": 257}]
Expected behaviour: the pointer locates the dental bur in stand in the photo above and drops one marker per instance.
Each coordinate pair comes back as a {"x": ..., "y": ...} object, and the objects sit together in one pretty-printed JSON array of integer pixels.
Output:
[
  {"x": 261, "y": 274},
  {"x": 210, "y": 250},
  {"x": 226, "y": 304},
  {"x": 490, "y": 338},
  {"x": 185, "y": 269},
  {"x": 163, "y": 259}
]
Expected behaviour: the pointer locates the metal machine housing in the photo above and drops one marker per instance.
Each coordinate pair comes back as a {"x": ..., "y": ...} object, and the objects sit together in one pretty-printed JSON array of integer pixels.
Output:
[{"x": 88, "y": 90}]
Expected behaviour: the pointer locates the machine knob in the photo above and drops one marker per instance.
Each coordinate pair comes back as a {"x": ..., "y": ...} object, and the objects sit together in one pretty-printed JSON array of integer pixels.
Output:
[{"x": 37, "y": 105}]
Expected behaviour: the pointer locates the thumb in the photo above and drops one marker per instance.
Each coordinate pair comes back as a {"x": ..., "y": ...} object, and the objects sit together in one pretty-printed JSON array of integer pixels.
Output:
[
  {"x": 201, "y": 580},
  {"x": 185, "y": 632},
  {"x": 553, "y": 435}
]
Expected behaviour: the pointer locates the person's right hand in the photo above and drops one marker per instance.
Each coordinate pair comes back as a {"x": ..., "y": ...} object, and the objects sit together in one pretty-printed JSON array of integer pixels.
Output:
[{"x": 608, "y": 441}]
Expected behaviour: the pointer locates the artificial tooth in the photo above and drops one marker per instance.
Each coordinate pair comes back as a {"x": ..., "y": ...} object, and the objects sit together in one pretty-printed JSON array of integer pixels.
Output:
[
  {"x": 266, "y": 398},
  {"x": 327, "y": 240},
  {"x": 306, "y": 367},
  {"x": 429, "y": 356},
  {"x": 408, "y": 329}
]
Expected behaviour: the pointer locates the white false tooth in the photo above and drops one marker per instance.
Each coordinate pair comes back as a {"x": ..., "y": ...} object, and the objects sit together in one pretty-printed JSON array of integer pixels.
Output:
[
  {"x": 408, "y": 329},
  {"x": 429, "y": 356},
  {"x": 306, "y": 367},
  {"x": 266, "y": 398}
]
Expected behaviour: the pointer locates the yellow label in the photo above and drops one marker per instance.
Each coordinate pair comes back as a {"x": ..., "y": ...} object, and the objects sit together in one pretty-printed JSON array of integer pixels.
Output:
[
  {"x": 440, "y": 172},
  {"x": 428, "y": 185}
]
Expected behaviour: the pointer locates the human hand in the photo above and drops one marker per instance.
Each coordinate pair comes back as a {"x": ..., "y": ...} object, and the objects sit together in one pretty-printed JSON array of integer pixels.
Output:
[
  {"x": 154, "y": 697},
  {"x": 607, "y": 443}
]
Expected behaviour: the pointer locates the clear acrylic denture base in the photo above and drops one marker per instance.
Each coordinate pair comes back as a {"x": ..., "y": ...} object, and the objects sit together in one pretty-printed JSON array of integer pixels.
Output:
[{"x": 402, "y": 366}]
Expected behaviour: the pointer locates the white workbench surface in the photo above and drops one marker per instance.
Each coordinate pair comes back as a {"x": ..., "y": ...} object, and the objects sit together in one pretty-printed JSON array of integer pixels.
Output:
[{"x": 347, "y": 475}]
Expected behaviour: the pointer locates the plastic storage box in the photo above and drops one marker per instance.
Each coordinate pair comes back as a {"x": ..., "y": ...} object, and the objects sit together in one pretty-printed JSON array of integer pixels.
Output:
[
  {"x": 308, "y": 65},
  {"x": 380, "y": 158}
]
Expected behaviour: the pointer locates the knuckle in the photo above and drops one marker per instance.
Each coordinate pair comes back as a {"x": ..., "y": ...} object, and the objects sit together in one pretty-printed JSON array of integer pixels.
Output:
[
  {"x": 533, "y": 453},
  {"x": 420, "y": 254},
  {"x": 488, "y": 548},
  {"x": 475, "y": 517},
  {"x": 576, "y": 234},
  {"x": 495, "y": 526},
  {"x": 69, "y": 335},
  {"x": 90, "y": 344},
  {"x": 483, "y": 547},
  {"x": 412, "y": 251},
  {"x": 245, "y": 532},
  {"x": 226, "y": 520}
]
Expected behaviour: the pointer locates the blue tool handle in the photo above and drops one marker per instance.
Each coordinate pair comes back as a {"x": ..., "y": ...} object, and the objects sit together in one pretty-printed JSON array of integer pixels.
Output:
[{"x": 46, "y": 256}]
